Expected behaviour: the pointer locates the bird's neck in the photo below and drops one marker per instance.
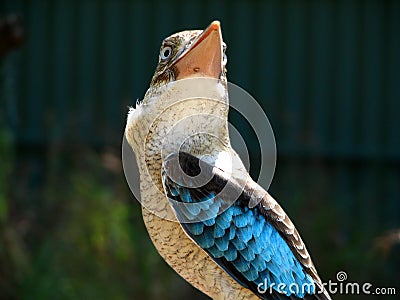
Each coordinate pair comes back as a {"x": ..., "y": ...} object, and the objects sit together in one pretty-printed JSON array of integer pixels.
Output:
[
  {"x": 187, "y": 115},
  {"x": 196, "y": 126}
]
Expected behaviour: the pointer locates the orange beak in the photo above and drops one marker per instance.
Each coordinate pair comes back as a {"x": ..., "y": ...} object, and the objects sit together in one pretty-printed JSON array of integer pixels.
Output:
[{"x": 204, "y": 57}]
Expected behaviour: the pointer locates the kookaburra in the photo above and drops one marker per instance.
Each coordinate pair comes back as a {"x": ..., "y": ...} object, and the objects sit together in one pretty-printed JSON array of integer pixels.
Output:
[{"x": 208, "y": 219}]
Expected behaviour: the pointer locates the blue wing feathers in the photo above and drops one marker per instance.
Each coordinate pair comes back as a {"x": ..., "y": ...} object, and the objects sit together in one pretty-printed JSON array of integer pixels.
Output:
[
  {"x": 251, "y": 274},
  {"x": 259, "y": 263},
  {"x": 196, "y": 228},
  {"x": 185, "y": 195},
  {"x": 174, "y": 191},
  {"x": 206, "y": 239},
  {"x": 253, "y": 246},
  {"x": 218, "y": 231},
  {"x": 212, "y": 211},
  {"x": 240, "y": 239},
  {"x": 241, "y": 264},
  {"x": 239, "y": 245},
  {"x": 222, "y": 243},
  {"x": 193, "y": 210},
  {"x": 245, "y": 234},
  {"x": 222, "y": 223},
  {"x": 241, "y": 220},
  {"x": 209, "y": 222},
  {"x": 215, "y": 252},
  {"x": 231, "y": 253},
  {"x": 225, "y": 218},
  {"x": 248, "y": 254},
  {"x": 232, "y": 232},
  {"x": 257, "y": 227}
]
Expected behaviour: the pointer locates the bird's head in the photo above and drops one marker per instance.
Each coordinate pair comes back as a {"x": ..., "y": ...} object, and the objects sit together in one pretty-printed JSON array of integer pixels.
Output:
[
  {"x": 187, "y": 92},
  {"x": 191, "y": 53}
]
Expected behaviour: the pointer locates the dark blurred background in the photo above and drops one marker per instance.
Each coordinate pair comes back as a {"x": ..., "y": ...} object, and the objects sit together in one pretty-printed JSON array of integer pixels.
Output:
[{"x": 327, "y": 73}]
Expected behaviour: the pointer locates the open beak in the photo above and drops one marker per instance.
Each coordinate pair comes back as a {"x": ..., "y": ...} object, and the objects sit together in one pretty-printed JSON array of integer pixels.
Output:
[{"x": 204, "y": 57}]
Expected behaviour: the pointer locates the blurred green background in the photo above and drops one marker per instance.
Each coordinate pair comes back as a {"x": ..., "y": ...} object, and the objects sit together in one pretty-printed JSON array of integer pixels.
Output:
[{"x": 327, "y": 73}]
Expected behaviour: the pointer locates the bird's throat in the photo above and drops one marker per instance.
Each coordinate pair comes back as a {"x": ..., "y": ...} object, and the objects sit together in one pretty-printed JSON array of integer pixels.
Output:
[{"x": 204, "y": 57}]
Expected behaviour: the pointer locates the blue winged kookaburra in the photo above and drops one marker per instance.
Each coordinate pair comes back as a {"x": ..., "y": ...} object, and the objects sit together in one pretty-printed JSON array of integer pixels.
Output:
[{"x": 212, "y": 224}]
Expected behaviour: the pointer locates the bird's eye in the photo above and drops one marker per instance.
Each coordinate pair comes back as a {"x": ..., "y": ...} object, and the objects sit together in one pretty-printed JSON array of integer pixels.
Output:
[
  {"x": 225, "y": 59},
  {"x": 166, "y": 52}
]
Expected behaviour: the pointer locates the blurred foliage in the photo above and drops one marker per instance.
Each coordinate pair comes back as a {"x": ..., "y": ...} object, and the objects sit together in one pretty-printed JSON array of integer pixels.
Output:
[{"x": 81, "y": 235}]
